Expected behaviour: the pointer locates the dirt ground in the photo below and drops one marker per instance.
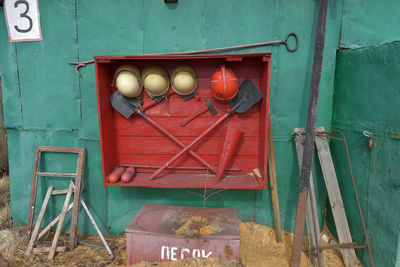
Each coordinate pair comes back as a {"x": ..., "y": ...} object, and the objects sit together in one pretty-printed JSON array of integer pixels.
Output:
[{"x": 258, "y": 247}]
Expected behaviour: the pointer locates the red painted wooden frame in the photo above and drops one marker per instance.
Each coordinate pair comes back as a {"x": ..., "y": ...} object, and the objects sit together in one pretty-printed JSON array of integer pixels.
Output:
[{"x": 134, "y": 141}]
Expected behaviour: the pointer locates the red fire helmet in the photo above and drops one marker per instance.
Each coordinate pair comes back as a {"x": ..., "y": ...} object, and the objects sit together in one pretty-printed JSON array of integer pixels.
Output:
[{"x": 224, "y": 83}]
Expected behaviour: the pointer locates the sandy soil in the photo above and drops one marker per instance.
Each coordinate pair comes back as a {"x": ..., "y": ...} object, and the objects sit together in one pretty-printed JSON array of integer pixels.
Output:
[{"x": 258, "y": 247}]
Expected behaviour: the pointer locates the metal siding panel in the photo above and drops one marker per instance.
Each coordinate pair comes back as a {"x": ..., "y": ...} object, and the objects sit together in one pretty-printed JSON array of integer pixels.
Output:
[
  {"x": 108, "y": 28},
  {"x": 366, "y": 98},
  {"x": 230, "y": 23},
  {"x": 9, "y": 79},
  {"x": 173, "y": 27},
  {"x": 49, "y": 89},
  {"x": 369, "y": 22},
  {"x": 157, "y": 27}
]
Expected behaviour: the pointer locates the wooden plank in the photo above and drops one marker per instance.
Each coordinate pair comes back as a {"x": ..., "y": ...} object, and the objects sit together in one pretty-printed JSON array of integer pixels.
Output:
[
  {"x": 39, "y": 220},
  {"x": 335, "y": 198},
  {"x": 59, "y": 192},
  {"x": 96, "y": 227},
  {"x": 273, "y": 185},
  {"x": 32, "y": 202},
  {"x": 185, "y": 180},
  {"x": 146, "y": 145},
  {"x": 77, "y": 197},
  {"x": 47, "y": 249},
  {"x": 53, "y": 222},
  {"x": 56, "y": 174},
  {"x": 58, "y": 149},
  {"x": 311, "y": 221},
  {"x": 136, "y": 126},
  {"x": 246, "y": 163},
  {"x": 60, "y": 223}
]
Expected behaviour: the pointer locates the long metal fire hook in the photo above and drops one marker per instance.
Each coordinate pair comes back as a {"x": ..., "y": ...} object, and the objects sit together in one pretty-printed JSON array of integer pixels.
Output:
[
  {"x": 80, "y": 64},
  {"x": 284, "y": 42}
]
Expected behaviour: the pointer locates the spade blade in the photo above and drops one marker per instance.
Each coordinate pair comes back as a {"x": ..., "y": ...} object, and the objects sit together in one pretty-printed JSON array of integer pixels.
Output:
[
  {"x": 122, "y": 105},
  {"x": 247, "y": 96}
]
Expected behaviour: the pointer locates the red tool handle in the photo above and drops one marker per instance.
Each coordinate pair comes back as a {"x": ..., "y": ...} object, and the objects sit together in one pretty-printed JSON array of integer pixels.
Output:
[
  {"x": 173, "y": 138},
  {"x": 153, "y": 103},
  {"x": 194, "y": 115},
  {"x": 194, "y": 142}
]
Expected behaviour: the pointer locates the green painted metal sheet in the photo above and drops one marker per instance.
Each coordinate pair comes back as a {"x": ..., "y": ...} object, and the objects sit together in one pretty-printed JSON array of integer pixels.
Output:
[
  {"x": 9, "y": 79},
  {"x": 366, "y": 98},
  {"x": 369, "y": 22},
  {"x": 106, "y": 29},
  {"x": 49, "y": 90},
  {"x": 174, "y": 27},
  {"x": 136, "y": 27}
]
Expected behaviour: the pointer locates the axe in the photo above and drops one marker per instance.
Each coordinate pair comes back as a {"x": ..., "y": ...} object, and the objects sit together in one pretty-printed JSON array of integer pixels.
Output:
[{"x": 208, "y": 106}]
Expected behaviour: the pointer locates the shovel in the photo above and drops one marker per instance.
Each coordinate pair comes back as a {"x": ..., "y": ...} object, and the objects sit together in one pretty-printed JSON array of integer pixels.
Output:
[
  {"x": 247, "y": 97},
  {"x": 128, "y": 106}
]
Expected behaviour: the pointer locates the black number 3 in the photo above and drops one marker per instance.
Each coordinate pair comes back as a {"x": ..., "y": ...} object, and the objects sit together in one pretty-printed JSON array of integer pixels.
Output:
[{"x": 23, "y": 15}]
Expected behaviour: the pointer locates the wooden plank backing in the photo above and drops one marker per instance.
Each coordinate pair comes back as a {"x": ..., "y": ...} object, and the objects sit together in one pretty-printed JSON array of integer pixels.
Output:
[
  {"x": 32, "y": 202},
  {"x": 60, "y": 223},
  {"x": 96, "y": 227},
  {"x": 47, "y": 249},
  {"x": 273, "y": 185},
  {"x": 335, "y": 198},
  {"x": 53, "y": 222},
  {"x": 39, "y": 220},
  {"x": 77, "y": 197},
  {"x": 312, "y": 222}
]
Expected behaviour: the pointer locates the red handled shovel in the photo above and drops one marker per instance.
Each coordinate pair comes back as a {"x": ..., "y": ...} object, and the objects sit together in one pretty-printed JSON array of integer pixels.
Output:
[{"x": 247, "y": 97}]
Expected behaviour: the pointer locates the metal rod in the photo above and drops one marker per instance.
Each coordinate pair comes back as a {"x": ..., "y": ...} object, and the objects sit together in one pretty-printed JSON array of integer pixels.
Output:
[
  {"x": 356, "y": 194},
  {"x": 310, "y": 135},
  {"x": 220, "y": 49}
]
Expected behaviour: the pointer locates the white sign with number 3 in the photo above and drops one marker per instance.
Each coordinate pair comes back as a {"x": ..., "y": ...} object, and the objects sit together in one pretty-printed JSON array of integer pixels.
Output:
[{"x": 23, "y": 20}]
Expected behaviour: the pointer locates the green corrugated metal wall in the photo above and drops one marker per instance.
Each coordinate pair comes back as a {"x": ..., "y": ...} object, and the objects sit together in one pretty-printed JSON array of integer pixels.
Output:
[
  {"x": 366, "y": 99},
  {"x": 47, "y": 104}
]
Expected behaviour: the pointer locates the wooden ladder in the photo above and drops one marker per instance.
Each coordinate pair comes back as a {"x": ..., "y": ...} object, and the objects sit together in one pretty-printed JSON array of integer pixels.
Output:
[
  {"x": 334, "y": 195},
  {"x": 77, "y": 190}
]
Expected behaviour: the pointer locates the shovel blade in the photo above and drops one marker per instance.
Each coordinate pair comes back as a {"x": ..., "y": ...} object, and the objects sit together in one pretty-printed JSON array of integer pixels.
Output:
[
  {"x": 247, "y": 96},
  {"x": 120, "y": 104}
]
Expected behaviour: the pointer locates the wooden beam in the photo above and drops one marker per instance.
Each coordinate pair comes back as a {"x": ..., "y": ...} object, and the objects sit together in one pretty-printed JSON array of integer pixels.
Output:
[
  {"x": 97, "y": 228},
  {"x": 56, "y": 174},
  {"x": 60, "y": 223},
  {"x": 53, "y": 222},
  {"x": 47, "y": 249},
  {"x": 311, "y": 221},
  {"x": 77, "y": 198},
  {"x": 32, "y": 202},
  {"x": 39, "y": 220},
  {"x": 272, "y": 184},
  {"x": 335, "y": 198}
]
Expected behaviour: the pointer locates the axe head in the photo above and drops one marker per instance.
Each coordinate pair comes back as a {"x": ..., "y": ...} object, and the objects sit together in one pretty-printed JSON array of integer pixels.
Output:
[{"x": 210, "y": 106}]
